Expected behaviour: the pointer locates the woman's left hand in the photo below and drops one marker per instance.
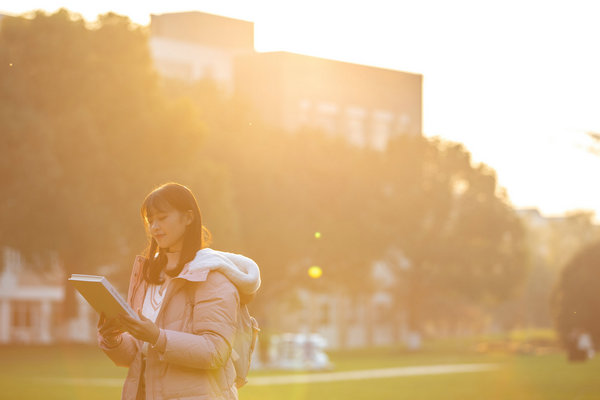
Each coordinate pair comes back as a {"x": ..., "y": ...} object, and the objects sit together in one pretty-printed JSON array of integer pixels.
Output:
[{"x": 142, "y": 329}]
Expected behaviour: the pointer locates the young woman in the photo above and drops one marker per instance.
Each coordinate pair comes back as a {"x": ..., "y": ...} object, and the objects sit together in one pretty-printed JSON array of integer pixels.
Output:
[{"x": 187, "y": 297}]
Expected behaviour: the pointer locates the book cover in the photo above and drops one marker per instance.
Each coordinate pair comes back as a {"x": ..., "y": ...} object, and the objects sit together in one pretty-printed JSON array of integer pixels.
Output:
[{"x": 101, "y": 295}]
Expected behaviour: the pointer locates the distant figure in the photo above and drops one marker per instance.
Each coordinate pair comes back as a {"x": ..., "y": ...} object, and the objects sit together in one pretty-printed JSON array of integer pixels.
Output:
[
  {"x": 584, "y": 344},
  {"x": 413, "y": 341},
  {"x": 187, "y": 297},
  {"x": 299, "y": 351},
  {"x": 580, "y": 346}
]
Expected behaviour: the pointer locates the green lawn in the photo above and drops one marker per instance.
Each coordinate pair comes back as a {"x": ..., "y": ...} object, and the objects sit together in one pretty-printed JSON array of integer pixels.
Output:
[{"x": 83, "y": 372}]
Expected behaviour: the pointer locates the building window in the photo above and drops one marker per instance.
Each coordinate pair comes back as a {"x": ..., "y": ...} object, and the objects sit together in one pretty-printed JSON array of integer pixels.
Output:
[
  {"x": 180, "y": 70},
  {"x": 304, "y": 111},
  {"x": 403, "y": 123},
  {"x": 381, "y": 129},
  {"x": 355, "y": 125},
  {"x": 327, "y": 115},
  {"x": 325, "y": 314},
  {"x": 22, "y": 314},
  {"x": 382, "y": 313},
  {"x": 352, "y": 310}
]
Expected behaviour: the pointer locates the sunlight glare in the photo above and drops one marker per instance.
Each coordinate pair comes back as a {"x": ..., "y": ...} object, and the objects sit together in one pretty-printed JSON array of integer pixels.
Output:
[{"x": 315, "y": 272}]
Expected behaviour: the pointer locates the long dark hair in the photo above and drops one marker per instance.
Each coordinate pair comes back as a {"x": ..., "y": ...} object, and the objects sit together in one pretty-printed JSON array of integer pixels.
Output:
[{"x": 196, "y": 236}]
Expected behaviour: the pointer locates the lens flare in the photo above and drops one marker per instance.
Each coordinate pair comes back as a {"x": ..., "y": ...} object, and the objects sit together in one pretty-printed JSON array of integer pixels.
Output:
[
  {"x": 315, "y": 272},
  {"x": 317, "y": 235}
]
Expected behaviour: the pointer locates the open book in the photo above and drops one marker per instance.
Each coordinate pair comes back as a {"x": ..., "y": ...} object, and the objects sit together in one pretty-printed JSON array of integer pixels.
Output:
[{"x": 101, "y": 295}]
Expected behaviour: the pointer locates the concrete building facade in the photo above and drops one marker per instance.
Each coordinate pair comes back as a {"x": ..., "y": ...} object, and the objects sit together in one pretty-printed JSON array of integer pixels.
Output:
[
  {"x": 195, "y": 45},
  {"x": 365, "y": 104}
]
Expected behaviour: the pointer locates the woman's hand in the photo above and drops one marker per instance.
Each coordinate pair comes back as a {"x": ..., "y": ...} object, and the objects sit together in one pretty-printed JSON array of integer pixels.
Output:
[
  {"x": 144, "y": 329},
  {"x": 110, "y": 330}
]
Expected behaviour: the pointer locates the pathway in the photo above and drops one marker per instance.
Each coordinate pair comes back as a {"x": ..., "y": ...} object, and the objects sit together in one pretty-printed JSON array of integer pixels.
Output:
[{"x": 314, "y": 377}]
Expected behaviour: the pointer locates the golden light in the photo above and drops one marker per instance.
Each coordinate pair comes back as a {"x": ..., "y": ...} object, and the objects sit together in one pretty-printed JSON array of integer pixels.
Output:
[
  {"x": 317, "y": 235},
  {"x": 315, "y": 272}
]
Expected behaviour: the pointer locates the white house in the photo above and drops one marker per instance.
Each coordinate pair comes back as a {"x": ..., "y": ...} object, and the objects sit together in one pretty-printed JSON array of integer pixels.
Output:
[{"x": 32, "y": 305}]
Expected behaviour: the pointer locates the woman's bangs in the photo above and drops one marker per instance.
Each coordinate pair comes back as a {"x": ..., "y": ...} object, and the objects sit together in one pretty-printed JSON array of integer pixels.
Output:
[{"x": 154, "y": 204}]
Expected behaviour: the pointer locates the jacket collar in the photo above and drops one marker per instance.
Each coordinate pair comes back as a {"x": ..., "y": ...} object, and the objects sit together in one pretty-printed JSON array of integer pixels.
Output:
[
  {"x": 191, "y": 271},
  {"x": 193, "y": 275}
]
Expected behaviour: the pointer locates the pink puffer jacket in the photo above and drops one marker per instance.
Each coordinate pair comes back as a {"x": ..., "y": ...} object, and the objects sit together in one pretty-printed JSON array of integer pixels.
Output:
[{"x": 197, "y": 324}]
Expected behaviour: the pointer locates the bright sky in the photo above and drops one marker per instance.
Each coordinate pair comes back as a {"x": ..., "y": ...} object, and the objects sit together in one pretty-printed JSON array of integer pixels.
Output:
[{"x": 517, "y": 81}]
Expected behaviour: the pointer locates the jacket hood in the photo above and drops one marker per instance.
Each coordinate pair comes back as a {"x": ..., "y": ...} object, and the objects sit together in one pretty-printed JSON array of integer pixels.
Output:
[
  {"x": 240, "y": 270},
  {"x": 208, "y": 258}
]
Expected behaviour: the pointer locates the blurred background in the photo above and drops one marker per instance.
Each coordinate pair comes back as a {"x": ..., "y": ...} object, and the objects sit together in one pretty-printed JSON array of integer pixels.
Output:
[{"x": 417, "y": 186}]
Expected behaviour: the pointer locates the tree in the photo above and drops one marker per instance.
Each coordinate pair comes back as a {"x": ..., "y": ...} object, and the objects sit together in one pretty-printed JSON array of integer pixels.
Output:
[
  {"x": 576, "y": 297},
  {"x": 551, "y": 243},
  {"x": 455, "y": 227},
  {"x": 87, "y": 132}
]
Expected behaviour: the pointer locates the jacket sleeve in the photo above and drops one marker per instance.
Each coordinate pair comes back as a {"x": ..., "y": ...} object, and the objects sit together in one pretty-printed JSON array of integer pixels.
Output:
[
  {"x": 214, "y": 325},
  {"x": 124, "y": 353}
]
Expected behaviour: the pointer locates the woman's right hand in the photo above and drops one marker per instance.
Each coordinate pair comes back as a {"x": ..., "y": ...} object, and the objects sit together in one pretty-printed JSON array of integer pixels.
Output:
[{"x": 110, "y": 330}]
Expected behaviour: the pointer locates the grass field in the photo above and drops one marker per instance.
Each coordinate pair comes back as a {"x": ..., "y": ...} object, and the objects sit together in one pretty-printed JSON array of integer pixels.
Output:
[{"x": 83, "y": 372}]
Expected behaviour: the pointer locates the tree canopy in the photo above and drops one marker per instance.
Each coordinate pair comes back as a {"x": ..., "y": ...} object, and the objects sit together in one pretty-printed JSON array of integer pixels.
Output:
[
  {"x": 576, "y": 297},
  {"x": 85, "y": 134}
]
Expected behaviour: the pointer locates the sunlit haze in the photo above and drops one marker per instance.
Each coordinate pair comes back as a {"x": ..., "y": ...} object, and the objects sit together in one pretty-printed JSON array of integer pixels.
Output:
[{"x": 516, "y": 81}]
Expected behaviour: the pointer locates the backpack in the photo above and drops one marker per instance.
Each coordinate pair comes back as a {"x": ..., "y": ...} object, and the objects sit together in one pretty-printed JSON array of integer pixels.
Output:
[{"x": 243, "y": 344}]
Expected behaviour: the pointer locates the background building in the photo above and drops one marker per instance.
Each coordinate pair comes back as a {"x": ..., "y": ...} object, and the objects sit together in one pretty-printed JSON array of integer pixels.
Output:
[
  {"x": 368, "y": 105},
  {"x": 32, "y": 305},
  {"x": 365, "y": 104},
  {"x": 195, "y": 45}
]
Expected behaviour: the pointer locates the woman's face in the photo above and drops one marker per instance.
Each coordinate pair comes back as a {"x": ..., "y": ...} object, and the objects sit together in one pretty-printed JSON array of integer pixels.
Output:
[{"x": 168, "y": 226}]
